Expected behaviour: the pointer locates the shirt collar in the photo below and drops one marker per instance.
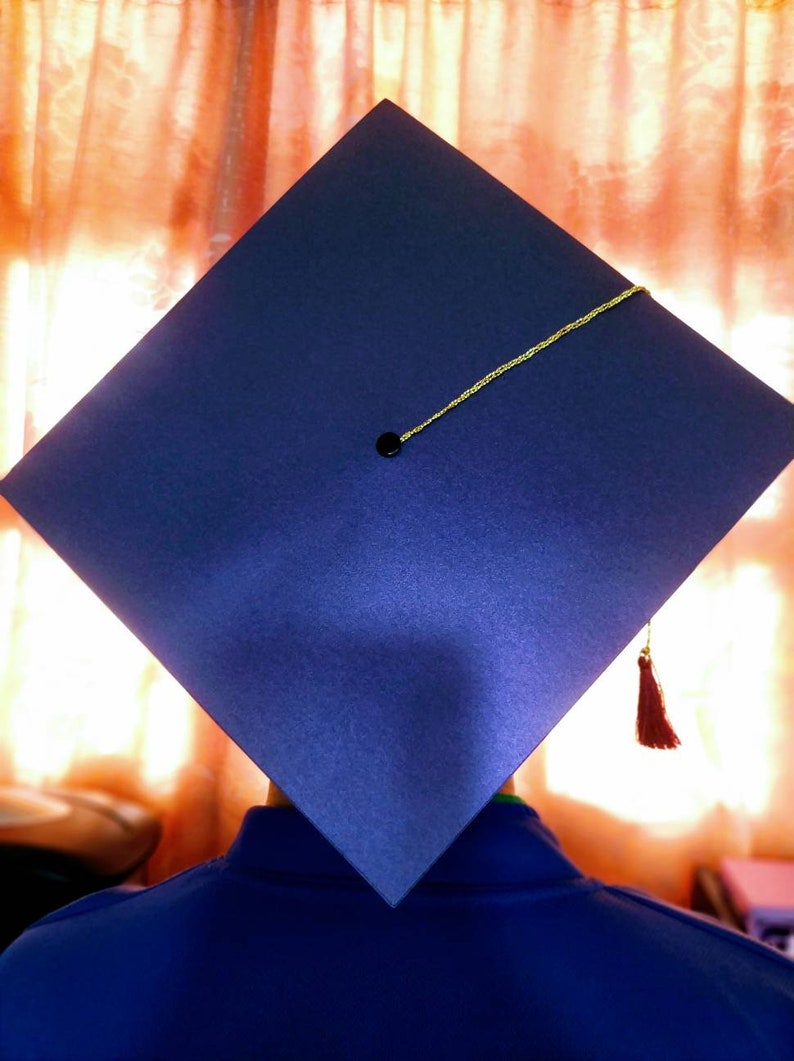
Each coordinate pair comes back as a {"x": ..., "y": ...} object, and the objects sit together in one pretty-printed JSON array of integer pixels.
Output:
[{"x": 506, "y": 844}]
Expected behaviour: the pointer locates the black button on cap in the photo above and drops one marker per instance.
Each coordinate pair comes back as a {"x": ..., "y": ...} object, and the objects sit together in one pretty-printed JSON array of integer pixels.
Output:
[{"x": 388, "y": 445}]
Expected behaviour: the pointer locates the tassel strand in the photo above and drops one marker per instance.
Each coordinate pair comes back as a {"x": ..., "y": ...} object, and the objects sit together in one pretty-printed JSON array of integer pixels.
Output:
[{"x": 653, "y": 726}]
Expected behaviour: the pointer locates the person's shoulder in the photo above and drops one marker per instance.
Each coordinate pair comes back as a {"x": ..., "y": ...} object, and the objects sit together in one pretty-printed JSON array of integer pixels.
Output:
[
  {"x": 99, "y": 909},
  {"x": 92, "y": 957},
  {"x": 708, "y": 934},
  {"x": 89, "y": 904}
]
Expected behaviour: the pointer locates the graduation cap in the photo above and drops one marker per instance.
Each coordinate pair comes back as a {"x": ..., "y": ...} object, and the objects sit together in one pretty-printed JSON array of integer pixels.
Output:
[{"x": 389, "y": 626}]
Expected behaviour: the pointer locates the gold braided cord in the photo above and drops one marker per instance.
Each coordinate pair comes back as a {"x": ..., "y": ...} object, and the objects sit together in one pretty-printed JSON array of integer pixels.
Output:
[
  {"x": 647, "y": 650},
  {"x": 500, "y": 371}
]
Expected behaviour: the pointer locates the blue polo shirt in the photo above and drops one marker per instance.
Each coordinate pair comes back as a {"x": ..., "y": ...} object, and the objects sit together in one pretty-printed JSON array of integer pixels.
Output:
[{"x": 280, "y": 951}]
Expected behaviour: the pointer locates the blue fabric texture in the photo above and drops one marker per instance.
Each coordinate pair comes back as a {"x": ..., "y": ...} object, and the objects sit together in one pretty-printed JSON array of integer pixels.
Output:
[
  {"x": 280, "y": 950},
  {"x": 416, "y": 624}
]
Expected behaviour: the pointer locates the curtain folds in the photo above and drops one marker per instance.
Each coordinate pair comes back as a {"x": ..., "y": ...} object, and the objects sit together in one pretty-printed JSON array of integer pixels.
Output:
[{"x": 139, "y": 140}]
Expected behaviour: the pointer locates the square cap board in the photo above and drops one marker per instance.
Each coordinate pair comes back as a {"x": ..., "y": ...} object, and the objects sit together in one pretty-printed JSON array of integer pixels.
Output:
[{"x": 390, "y": 638}]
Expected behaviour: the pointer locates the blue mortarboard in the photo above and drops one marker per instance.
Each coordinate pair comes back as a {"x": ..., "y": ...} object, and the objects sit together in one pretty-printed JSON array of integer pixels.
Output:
[{"x": 390, "y": 637}]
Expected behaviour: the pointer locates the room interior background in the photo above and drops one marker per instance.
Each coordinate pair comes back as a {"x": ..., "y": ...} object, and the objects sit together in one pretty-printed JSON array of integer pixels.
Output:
[{"x": 139, "y": 140}]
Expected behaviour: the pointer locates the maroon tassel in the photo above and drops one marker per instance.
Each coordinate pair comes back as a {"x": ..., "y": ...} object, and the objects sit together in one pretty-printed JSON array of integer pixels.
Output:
[{"x": 653, "y": 725}]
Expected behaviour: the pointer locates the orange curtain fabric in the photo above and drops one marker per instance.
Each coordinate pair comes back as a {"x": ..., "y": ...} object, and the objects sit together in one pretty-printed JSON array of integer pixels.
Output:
[{"x": 138, "y": 140}]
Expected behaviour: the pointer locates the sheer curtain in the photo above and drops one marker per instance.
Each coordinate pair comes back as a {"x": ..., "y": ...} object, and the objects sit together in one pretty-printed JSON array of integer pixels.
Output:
[{"x": 138, "y": 140}]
